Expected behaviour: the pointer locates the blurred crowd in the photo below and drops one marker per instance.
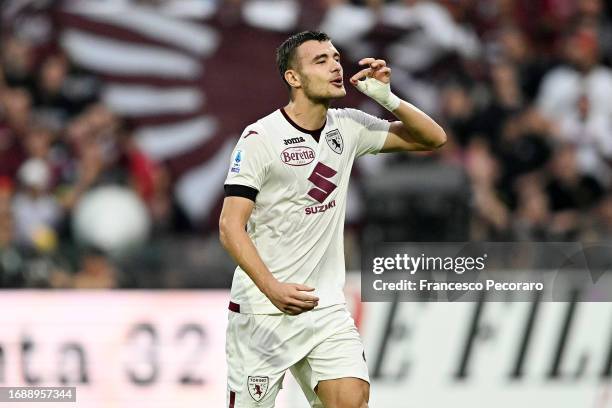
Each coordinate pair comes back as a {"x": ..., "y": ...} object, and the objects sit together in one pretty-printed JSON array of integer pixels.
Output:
[
  {"x": 522, "y": 87},
  {"x": 57, "y": 143}
]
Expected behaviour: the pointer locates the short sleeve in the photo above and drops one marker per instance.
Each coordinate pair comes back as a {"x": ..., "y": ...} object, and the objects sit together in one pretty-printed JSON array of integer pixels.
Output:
[
  {"x": 250, "y": 160},
  {"x": 371, "y": 132}
]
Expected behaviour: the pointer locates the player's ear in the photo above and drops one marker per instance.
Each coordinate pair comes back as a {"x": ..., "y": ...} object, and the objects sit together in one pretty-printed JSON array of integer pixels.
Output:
[{"x": 293, "y": 78}]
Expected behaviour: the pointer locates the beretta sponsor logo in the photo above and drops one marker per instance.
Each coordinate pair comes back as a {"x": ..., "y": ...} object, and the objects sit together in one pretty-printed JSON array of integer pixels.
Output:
[{"x": 298, "y": 155}]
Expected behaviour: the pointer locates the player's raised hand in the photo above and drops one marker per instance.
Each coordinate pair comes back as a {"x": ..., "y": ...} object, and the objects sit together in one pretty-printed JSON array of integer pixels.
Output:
[
  {"x": 375, "y": 82},
  {"x": 291, "y": 298},
  {"x": 376, "y": 68}
]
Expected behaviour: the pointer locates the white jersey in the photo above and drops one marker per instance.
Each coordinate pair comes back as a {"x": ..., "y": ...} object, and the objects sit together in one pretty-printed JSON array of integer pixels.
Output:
[{"x": 297, "y": 223}]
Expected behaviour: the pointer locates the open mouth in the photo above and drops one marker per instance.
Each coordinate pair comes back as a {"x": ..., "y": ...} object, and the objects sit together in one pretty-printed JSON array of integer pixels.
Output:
[{"x": 337, "y": 82}]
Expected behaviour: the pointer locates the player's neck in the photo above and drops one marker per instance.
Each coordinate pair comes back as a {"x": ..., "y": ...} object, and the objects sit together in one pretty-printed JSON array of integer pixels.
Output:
[{"x": 306, "y": 113}]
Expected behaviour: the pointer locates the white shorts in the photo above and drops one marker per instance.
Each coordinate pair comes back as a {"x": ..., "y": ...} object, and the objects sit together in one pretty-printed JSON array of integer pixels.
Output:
[{"x": 319, "y": 345}]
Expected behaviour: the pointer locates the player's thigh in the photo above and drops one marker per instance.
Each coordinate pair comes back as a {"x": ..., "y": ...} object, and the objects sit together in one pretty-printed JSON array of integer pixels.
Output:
[
  {"x": 338, "y": 393},
  {"x": 254, "y": 375},
  {"x": 340, "y": 351},
  {"x": 260, "y": 349},
  {"x": 347, "y": 392},
  {"x": 302, "y": 372},
  {"x": 339, "y": 355}
]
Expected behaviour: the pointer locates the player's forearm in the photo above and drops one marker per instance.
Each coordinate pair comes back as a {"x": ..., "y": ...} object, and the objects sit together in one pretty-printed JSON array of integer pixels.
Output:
[
  {"x": 239, "y": 245},
  {"x": 418, "y": 126}
]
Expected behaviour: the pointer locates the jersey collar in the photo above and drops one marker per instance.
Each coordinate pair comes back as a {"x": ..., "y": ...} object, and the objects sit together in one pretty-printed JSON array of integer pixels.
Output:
[{"x": 316, "y": 134}]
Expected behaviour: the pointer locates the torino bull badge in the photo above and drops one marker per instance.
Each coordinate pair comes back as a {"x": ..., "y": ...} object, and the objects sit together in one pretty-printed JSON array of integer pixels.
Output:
[
  {"x": 258, "y": 386},
  {"x": 334, "y": 140}
]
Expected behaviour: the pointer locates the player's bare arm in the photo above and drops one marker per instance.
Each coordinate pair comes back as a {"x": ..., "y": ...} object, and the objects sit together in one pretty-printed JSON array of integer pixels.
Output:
[
  {"x": 415, "y": 130},
  {"x": 289, "y": 298}
]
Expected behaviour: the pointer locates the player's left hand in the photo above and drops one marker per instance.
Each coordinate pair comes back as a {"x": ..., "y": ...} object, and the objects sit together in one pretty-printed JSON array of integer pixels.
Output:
[{"x": 377, "y": 69}]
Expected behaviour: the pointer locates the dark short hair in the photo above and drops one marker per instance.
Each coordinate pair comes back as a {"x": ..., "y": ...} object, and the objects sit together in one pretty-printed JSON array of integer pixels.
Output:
[{"x": 285, "y": 53}]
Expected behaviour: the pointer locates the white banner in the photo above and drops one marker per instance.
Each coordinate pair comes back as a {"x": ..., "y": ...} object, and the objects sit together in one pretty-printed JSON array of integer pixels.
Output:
[
  {"x": 145, "y": 349},
  {"x": 166, "y": 349},
  {"x": 505, "y": 355}
]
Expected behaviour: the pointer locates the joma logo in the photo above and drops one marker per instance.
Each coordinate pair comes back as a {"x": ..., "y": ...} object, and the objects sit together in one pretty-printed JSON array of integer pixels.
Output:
[{"x": 294, "y": 140}]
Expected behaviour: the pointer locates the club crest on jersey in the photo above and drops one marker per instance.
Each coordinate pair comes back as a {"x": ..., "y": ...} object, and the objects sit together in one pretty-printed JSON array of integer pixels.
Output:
[
  {"x": 297, "y": 155},
  {"x": 334, "y": 140},
  {"x": 238, "y": 159},
  {"x": 258, "y": 386}
]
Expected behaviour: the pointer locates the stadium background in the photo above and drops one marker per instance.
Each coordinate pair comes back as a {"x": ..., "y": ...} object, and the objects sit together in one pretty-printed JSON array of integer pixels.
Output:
[{"x": 117, "y": 119}]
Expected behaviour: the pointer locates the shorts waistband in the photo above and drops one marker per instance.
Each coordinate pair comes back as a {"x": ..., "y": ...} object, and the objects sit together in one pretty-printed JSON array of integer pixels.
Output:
[{"x": 234, "y": 307}]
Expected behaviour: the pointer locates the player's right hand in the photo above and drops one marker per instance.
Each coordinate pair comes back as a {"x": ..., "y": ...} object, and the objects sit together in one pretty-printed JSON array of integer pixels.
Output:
[
  {"x": 291, "y": 298},
  {"x": 375, "y": 82}
]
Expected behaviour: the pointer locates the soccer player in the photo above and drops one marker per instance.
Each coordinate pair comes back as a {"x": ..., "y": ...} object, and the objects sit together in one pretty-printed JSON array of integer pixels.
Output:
[{"x": 287, "y": 183}]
